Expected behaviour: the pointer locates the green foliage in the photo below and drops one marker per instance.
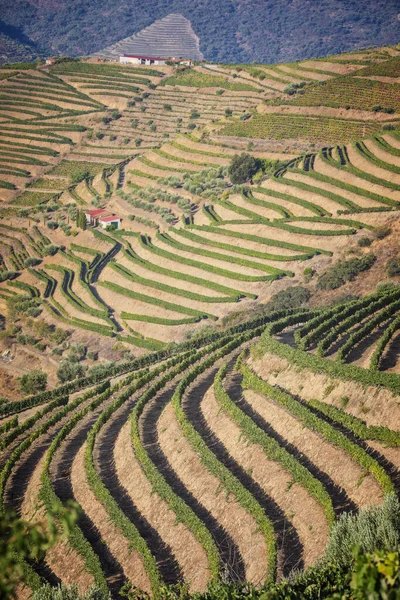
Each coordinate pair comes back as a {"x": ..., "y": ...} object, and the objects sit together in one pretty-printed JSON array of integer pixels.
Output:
[
  {"x": 382, "y": 231},
  {"x": 62, "y": 592},
  {"x": 33, "y": 382},
  {"x": 364, "y": 242},
  {"x": 393, "y": 267},
  {"x": 289, "y": 298},
  {"x": 311, "y": 421},
  {"x": 328, "y": 130},
  {"x": 191, "y": 78},
  {"x": 376, "y": 528},
  {"x": 242, "y": 168},
  {"x": 272, "y": 448},
  {"x": 81, "y": 220},
  {"x": 343, "y": 271},
  {"x": 68, "y": 371},
  {"x": 21, "y": 541}
]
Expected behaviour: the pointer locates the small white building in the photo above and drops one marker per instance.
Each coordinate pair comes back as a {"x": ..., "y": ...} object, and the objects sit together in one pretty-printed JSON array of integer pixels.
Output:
[
  {"x": 132, "y": 59},
  {"x": 110, "y": 220}
]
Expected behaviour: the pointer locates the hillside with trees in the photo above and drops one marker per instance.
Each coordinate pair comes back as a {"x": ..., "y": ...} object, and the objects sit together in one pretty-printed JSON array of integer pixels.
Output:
[{"x": 232, "y": 31}]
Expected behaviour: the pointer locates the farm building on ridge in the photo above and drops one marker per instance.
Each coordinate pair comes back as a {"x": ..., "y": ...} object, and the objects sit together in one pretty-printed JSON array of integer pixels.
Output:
[{"x": 126, "y": 59}]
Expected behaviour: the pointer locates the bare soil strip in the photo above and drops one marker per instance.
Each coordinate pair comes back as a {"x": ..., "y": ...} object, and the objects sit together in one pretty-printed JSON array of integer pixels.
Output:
[
  {"x": 186, "y": 549},
  {"x": 298, "y": 506},
  {"x": 365, "y": 165},
  {"x": 361, "y": 488},
  {"x": 351, "y": 179},
  {"x": 207, "y": 489},
  {"x": 113, "y": 537}
]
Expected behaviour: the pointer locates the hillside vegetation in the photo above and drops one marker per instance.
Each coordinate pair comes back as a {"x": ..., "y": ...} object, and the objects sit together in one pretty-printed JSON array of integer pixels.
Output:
[
  {"x": 235, "y": 31},
  {"x": 215, "y": 383}
]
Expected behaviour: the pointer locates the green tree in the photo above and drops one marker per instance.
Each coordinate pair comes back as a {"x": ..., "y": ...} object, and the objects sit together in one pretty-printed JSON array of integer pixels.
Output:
[
  {"x": 242, "y": 168},
  {"x": 33, "y": 382},
  {"x": 69, "y": 371},
  {"x": 81, "y": 220},
  {"x": 393, "y": 267},
  {"x": 21, "y": 541}
]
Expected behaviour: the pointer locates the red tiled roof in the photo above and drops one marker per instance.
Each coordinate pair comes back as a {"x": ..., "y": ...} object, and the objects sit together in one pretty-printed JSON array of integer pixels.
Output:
[
  {"x": 94, "y": 213},
  {"x": 108, "y": 219}
]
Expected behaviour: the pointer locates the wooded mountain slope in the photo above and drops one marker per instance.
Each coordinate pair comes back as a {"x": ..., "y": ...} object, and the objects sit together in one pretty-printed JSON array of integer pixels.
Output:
[{"x": 229, "y": 31}]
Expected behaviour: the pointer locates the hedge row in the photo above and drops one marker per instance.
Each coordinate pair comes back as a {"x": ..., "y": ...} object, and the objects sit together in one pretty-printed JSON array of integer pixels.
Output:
[
  {"x": 355, "y": 317},
  {"x": 30, "y": 289},
  {"x": 301, "y": 185},
  {"x": 84, "y": 275},
  {"x": 182, "y": 511},
  {"x": 366, "y": 329},
  {"x": 173, "y": 158},
  {"x": 314, "y": 423},
  {"x": 261, "y": 240},
  {"x": 70, "y": 296},
  {"x": 314, "y": 208},
  {"x": 363, "y": 151},
  {"x": 51, "y": 500},
  {"x": 248, "y": 197},
  {"x": 251, "y": 215},
  {"x": 147, "y": 343},
  {"x": 168, "y": 288},
  {"x": 350, "y": 168},
  {"x": 283, "y": 224},
  {"x": 358, "y": 427},
  {"x": 386, "y": 146},
  {"x": 211, "y": 214},
  {"x": 231, "y": 484},
  {"x": 143, "y": 361},
  {"x": 382, "y": 343},
  {"x": 60, "y": 313},
  {"x": 18, "y": 430},
  {"x": 272, "y": 449},
  {"x": 146, "y": 242},
  {"x": 117, "y": 516},
  {"x": 238, "y": 249},
  {"x": 164, "y": 237},
  {"x": 156, "y": 301},
  {"x": 352, "y": 188},
  {"x": 305, "y": 360},
  {"x": 28, "y": 441},
  {"x": 318, "y": 326},
  {"x": 4, "y": 427},
  {"x": 157, "y": 320},
  {"x": 95, "y": 270},
  {"x": 132, "y": 256}
]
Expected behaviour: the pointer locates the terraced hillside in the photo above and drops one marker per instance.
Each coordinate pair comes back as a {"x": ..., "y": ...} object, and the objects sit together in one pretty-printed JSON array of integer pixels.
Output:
[
  {"x": 171, "y": 36},
  {"x": 229, "y": 456},
  {"x": 154, "y": 147},
  {"x": 225, "y": 332}
]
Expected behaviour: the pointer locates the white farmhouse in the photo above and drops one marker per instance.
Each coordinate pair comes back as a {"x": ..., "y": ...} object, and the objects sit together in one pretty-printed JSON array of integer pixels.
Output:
[{"x": 132, "y": 59}]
